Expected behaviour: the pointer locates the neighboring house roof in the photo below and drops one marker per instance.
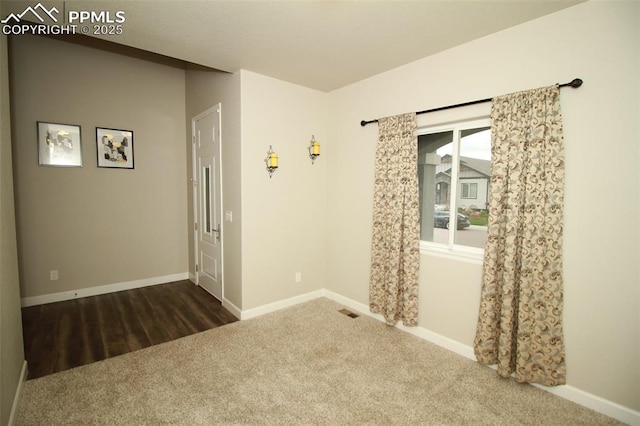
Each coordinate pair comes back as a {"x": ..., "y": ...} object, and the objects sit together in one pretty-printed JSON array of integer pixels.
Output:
[{"x": 482, "y": 167}]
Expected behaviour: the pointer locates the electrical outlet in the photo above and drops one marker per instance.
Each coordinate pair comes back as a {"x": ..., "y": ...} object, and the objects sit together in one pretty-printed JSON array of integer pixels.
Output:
[
  {"x": 53, "y": 275},
  {"x": 298, "y": 277}
]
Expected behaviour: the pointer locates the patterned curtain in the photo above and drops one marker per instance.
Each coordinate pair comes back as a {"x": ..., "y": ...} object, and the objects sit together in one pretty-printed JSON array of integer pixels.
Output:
[
  {"x": 520, "y": 319},
  {"x": 395, "y": 247}
]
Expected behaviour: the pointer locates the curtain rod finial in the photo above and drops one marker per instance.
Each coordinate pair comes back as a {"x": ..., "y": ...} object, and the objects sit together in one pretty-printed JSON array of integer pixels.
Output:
[
  {"x": 363, "y": 123},
  {"x": 576, "y": 82}
]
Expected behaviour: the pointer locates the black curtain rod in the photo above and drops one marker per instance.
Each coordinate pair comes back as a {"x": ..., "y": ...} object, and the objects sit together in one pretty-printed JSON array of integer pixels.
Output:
[{"x": 575, "y": 83}]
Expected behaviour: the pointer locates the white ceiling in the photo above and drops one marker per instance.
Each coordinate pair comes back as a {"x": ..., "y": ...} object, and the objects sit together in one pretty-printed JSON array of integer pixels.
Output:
[{"x": 318, "y": 44}]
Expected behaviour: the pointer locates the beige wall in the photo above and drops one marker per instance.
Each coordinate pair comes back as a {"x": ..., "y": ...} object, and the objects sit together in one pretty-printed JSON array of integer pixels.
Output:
[
  {"x": 283, "y": 217},
  {"x": 205, "y": 89},
  {"x": 11, "y": 347},
  {"x": 597, "y": 41},
  {"x": 279, "y": 223},
  {"x": 98, "y": 226}
]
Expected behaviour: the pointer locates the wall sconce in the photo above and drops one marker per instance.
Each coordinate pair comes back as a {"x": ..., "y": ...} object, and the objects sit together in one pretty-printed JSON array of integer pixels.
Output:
[
  {"x": 314, "y": 149},
  {"x": 271, "y": 161}
]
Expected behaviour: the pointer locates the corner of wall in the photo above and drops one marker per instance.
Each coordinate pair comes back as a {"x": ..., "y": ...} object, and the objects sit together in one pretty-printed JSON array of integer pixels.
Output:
[{"x": 11, "y": 343}]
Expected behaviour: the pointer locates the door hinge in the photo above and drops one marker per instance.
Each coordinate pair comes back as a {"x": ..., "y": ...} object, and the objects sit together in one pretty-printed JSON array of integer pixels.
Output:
[
  {"x": 196, "y": 267},
  {"x": 195, "y": 226}
]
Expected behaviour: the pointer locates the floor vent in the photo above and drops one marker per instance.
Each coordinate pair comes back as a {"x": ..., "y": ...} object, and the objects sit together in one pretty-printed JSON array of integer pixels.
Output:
[{"x": 348, "y": 313}]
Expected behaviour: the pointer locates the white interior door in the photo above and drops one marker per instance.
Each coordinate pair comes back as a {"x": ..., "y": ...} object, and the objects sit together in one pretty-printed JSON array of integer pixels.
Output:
[{"x": 207, "y": 200}]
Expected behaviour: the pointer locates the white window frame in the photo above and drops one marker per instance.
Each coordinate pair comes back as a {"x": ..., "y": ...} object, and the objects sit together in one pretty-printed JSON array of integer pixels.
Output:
[{"x": 451, "y": 250}]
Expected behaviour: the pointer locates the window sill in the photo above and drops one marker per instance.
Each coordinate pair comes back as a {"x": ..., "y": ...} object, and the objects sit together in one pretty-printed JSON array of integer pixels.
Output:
[{"x": 458, "y": 253}]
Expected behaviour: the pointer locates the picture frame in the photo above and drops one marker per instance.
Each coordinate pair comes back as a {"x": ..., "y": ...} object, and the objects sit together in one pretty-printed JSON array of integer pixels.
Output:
[
  {"x": 114, "y": 148},
  {"x": 59, "y": 145}
]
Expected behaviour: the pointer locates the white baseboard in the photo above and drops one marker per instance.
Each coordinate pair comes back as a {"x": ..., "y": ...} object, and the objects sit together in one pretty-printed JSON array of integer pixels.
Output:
[
  {"x": 596, "y": 403},
  {"x": 276, "y": 306},
  {"x": 103, "y": 289},
  {"x": 17, "y": 398},
  {"x": 568, "y": 392},
  {"x": 232, "y": 308},
  {"x": 423, "y": 333}
]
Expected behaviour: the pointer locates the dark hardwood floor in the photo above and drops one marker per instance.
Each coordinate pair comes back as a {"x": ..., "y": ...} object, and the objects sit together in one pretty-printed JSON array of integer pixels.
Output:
[{"x": 63, "y": 335}]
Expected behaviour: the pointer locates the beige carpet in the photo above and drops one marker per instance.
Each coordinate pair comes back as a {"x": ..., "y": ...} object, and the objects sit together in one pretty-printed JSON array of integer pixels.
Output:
[{"x": 309, "y": 364}]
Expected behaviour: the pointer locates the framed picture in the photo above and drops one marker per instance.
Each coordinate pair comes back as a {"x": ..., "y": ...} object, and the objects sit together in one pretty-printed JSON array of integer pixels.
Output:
[
  {"x": 59, "y": 145},
  {"x": 115, "y": 148}
]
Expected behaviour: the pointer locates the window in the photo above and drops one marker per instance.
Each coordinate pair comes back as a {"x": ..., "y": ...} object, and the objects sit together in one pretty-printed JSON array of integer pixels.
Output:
[
  {"x": 454, "y": 171},
  {"x": 469, "y": 190},
  {"x": 207, "y": 200}
]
